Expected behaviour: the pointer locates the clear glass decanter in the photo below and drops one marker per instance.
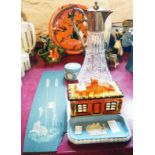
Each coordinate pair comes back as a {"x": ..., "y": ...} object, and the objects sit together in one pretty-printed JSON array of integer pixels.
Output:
[{"x": 95, "y": 64}]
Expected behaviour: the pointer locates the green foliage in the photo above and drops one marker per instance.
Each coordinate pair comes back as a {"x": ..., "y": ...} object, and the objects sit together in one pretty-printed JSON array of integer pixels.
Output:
[{"x": 47, "y": 48}]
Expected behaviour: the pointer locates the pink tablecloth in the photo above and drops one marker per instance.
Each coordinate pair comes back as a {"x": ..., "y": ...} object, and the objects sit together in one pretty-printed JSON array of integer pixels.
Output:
[{"x": 123, "y": 78}]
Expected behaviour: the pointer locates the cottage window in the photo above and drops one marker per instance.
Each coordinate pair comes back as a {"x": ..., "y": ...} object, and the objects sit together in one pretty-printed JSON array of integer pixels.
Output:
[
  {"x": 111, "y": 106},
  {"x": 82, "y": 108}
]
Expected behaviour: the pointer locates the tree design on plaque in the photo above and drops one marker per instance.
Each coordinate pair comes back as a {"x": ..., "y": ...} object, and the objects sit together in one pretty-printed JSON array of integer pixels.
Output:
[{"x": 47, "y": 126}]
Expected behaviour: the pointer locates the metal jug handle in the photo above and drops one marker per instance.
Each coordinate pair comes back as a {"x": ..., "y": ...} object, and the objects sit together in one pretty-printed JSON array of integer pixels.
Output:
[{"x": 77, "y": 31}]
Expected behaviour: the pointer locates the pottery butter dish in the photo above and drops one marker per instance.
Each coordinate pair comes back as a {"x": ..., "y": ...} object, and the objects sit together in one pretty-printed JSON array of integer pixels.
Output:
[
  {"x": 71, "y": 71},
  {"x": 98, "y": 129}
]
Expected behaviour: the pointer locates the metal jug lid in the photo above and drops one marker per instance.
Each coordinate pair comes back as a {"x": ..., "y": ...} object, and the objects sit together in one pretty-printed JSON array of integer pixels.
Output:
[{"x": 97, "y": 17}]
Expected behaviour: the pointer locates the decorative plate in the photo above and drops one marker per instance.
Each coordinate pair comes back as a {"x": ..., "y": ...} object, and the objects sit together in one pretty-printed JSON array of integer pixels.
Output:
[
  {"x": 98, "y": 129},
  {"x": 61, "y": 28}
]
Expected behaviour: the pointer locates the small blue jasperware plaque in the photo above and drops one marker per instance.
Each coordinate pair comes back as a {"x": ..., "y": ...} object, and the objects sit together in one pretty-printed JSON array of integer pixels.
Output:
[{"x": 71, "y": 71}]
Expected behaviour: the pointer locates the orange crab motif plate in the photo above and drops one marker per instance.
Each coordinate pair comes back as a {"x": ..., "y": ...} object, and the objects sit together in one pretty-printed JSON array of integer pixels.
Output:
[{"x": 61, "y": 28}]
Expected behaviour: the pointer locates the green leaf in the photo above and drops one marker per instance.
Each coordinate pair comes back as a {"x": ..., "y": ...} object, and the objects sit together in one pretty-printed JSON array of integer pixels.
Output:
[
  {"x": 52, "y": 45},
  {"x": 61, "y": 50},
  {"x": 42, "y": 52},
  {"x": 48, "y": 59}
]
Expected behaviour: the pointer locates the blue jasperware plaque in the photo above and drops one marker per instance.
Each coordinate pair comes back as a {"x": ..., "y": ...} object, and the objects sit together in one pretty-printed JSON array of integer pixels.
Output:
[{"x": 47, "y": 118}]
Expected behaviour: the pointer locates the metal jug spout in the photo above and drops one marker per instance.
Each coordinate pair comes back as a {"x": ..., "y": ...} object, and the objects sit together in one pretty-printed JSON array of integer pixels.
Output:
[{"x": 106, "y": 14}]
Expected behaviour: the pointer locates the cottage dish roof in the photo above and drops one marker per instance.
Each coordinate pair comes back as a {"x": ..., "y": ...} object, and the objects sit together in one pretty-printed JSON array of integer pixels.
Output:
[{"x": 93, "y": 90}]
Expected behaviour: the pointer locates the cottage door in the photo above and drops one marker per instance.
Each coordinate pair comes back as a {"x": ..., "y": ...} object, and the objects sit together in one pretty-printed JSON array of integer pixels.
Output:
[{"x": 97, "y": 108}]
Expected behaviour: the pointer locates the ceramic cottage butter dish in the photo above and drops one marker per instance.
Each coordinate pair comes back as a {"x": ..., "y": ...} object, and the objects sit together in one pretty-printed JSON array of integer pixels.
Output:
[
  {"x": 98, "y": 129},
  {"x": 94, "y": 98}
]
